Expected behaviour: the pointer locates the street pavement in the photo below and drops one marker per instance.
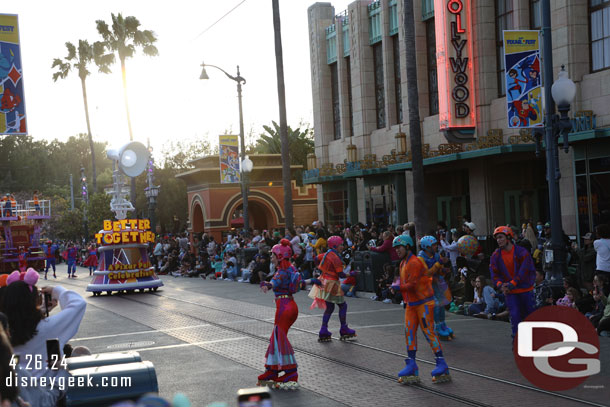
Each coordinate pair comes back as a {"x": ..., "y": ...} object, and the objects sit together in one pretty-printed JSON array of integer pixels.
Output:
[{"x": 207, "y": 339}]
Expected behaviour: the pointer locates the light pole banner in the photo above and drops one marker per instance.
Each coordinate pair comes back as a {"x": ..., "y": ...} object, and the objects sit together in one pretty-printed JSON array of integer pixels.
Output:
[
  {"x": 12, "y": 98},
  {"x": 229, "y": 159},
  {"x": 523, "y": 81}
]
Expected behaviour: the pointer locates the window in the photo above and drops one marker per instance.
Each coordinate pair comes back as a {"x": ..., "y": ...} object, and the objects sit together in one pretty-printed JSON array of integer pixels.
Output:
[
  {"x": 380, "y": 203},
  {"x": 348, "y": 65},
  {"x": 397, "y": 87},
  {"x": 379, "y": 87},
  {"x": 600, "y": 34},
  {"x": 504, "y": 21},
  {"x": 432, "y": 73},
  {"x": 535, "y": 14},
  {"x": 334, "y": 79},
  {"x": 335, "y": 207}
]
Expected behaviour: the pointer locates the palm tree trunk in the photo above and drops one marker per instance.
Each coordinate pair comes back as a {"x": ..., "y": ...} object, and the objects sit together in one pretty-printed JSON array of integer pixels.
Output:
[
  {"x": 132, "y": 194},
  {"x": 281, "y": 95},
  {"x": 419, "y": 192},
  {"x": 91, "y": 146}
]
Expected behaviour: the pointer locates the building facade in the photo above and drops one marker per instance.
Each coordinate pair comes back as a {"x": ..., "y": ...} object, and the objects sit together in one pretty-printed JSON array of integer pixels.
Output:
[
  {"x": 216, "y": 208},
  {"x": 487, "y": 172}
]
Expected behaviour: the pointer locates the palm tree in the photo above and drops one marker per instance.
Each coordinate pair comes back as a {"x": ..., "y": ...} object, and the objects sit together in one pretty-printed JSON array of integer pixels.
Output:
[
  {"x": 124, "y": 38},
  {"x": 420, "y": 209},
  {"x": 300, "y": 141},
  {"x": 78, "y": 60},
  {"x": 281, "y": 94}
]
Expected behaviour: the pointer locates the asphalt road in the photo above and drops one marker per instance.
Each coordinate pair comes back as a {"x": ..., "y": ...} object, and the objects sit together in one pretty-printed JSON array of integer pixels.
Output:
[{"x": 207, "y": 339}]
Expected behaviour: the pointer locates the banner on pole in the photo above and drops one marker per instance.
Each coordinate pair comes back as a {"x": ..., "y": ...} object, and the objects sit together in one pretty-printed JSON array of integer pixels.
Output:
[
  {"x": 523, "y": 79},
  {"x": 12, "y": 98},
  {"x": 229, "y": 159}
]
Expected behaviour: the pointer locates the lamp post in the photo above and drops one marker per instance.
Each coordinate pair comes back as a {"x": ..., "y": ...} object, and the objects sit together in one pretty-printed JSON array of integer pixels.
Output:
[
  {"x": 240, "y": 80},
  {"x": 152, "y": 191},
  {"x": 246, "y": 169},
  {"x": 85, "y": 197},
  {"x": 561, "y": 92}
]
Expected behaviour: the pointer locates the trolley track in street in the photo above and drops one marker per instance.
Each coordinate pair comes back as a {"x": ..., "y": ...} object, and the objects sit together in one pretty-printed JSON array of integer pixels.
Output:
[
  {"x": 368, "y": 370},
  {"x": 382, "y": 375}
]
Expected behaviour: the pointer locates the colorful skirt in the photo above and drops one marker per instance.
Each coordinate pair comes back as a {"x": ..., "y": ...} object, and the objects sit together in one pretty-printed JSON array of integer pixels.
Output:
[
  {"x": 280, "y": 355},
  {"x": 330, "y": 291}
]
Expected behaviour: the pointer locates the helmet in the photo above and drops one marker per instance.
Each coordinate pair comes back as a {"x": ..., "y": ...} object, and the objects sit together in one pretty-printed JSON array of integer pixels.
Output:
[
  {"x": 505, "y": 230},
  {"x": 334, "y": 241},
  {"x": 282, "y": 250},
  {"x": 427, "y": 242},
  {"x": 402, "y": 240}
]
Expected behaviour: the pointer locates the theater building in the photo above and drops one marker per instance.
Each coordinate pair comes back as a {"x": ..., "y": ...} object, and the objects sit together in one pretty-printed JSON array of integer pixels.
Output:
[
  {"x": 475, "y": 165},
  {"x": 216, "y": 208}
]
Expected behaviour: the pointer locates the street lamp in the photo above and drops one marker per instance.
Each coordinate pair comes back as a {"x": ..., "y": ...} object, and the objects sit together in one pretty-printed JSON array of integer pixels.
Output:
[
  {"x": 561, "y": 92},
  {"x": 152, "y": 191},
  {"x": 240, "y": 81}
]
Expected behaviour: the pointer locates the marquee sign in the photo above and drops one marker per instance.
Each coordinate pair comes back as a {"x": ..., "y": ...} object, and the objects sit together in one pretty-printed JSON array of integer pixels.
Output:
[{"x": 454, "y": 61}]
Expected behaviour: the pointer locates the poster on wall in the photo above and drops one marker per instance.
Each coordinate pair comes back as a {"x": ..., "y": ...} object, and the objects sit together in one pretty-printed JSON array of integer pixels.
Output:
[
  {"x": 12, "y": 98},
  {"x": 523, "y": 81},
  {"x": 229, "y": 159}
]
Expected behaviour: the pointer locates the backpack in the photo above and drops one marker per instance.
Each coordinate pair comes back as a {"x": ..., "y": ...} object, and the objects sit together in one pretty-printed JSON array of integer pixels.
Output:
[{"x": 295, "y": 281}]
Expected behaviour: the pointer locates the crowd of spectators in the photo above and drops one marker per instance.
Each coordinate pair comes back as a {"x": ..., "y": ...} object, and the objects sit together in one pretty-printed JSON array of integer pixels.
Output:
[{"x": 245, "y": 258}]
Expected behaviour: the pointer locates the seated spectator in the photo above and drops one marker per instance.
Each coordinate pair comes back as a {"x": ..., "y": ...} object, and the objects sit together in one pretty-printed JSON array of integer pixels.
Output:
[
  {"x": 485, "y": 299},
  {"x": 348, "y": 284},
  {"x": 598, "y": 295},
  {"x": 542, "y": 292},
  {"x": 384, "y": 282},
  {"x": 217, "y": 266},
  {"x": 393, "y": 295},
  {"x": 231, "y": 267},
  {"x": 569, "y": 300}
]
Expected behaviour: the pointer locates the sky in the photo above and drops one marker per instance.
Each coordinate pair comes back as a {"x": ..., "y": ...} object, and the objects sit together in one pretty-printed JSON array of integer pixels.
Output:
[{"x": 167, "y": 99}]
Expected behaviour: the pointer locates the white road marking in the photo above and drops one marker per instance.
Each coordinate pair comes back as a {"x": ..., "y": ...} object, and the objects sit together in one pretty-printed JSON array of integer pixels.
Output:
[{"x": 182, "y": 345}]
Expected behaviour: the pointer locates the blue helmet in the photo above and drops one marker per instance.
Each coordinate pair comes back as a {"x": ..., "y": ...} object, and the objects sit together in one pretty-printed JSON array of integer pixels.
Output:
[
  {"x": 402, "y": 240},
  {"x": 427, "y": 242}
]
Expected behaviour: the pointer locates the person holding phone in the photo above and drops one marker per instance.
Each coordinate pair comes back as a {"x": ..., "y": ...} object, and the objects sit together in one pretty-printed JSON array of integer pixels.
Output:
[
  {"x": 29, "y": 328},
  {"x": 280, "y": 356}
]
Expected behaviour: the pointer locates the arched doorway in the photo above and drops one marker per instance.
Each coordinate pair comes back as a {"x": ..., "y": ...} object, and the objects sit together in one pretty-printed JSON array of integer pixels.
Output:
[
  {"x": 197, "y": 222},
  {"x": 259, "y": 215}
]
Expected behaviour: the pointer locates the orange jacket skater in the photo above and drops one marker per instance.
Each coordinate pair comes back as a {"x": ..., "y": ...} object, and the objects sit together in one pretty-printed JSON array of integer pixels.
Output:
[{"x": 418, "y": 295}]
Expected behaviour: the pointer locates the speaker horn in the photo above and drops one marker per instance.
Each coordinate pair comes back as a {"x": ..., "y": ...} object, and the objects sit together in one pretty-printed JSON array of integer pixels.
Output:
[{"x": 131, "y": 157}]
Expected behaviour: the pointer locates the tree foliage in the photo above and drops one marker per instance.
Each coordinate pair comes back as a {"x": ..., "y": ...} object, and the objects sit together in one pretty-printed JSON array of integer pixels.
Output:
[{"x": 300, "y": 140}]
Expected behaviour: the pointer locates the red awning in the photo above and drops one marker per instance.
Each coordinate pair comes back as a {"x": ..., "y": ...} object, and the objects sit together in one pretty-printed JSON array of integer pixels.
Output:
[{"x": 237, "y": 222}]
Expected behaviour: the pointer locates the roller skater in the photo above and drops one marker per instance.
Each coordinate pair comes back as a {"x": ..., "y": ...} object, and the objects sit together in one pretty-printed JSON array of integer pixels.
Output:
[
  {"x": 280, "y": 355},
  {"x": 513, "y": 271},
  {"x": 327, "y": 291},
  {"x": 417, "y": 293},
  {"x": 442, "y": 295}
]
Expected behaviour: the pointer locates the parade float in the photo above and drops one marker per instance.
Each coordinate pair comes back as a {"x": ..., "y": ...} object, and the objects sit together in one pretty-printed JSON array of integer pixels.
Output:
[
  {"x": 123, "y": 264},
  {"x": 20, "y": 230}
]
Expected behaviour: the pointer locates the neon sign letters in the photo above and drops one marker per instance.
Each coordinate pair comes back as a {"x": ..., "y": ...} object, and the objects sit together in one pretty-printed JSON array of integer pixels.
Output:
[{"x": 454, "y": 64}]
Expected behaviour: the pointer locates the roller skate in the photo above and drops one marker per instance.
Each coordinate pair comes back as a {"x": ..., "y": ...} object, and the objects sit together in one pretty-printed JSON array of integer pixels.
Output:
[
  {"x": 449, "y": 330},
  {"x": 267, "y": 378},
  {"x": 440, "y": 374},
  {"x": 442, "y": 333},
  {"x": 347, "y": 333},
  {"x": 410, "y": 373},
  {"x": 287, "y": 381},
  {"x": 324, "y": 335}
]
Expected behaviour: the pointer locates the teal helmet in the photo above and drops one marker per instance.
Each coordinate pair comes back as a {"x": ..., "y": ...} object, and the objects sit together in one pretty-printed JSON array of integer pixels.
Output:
[{"x": 402, "y": 240}]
